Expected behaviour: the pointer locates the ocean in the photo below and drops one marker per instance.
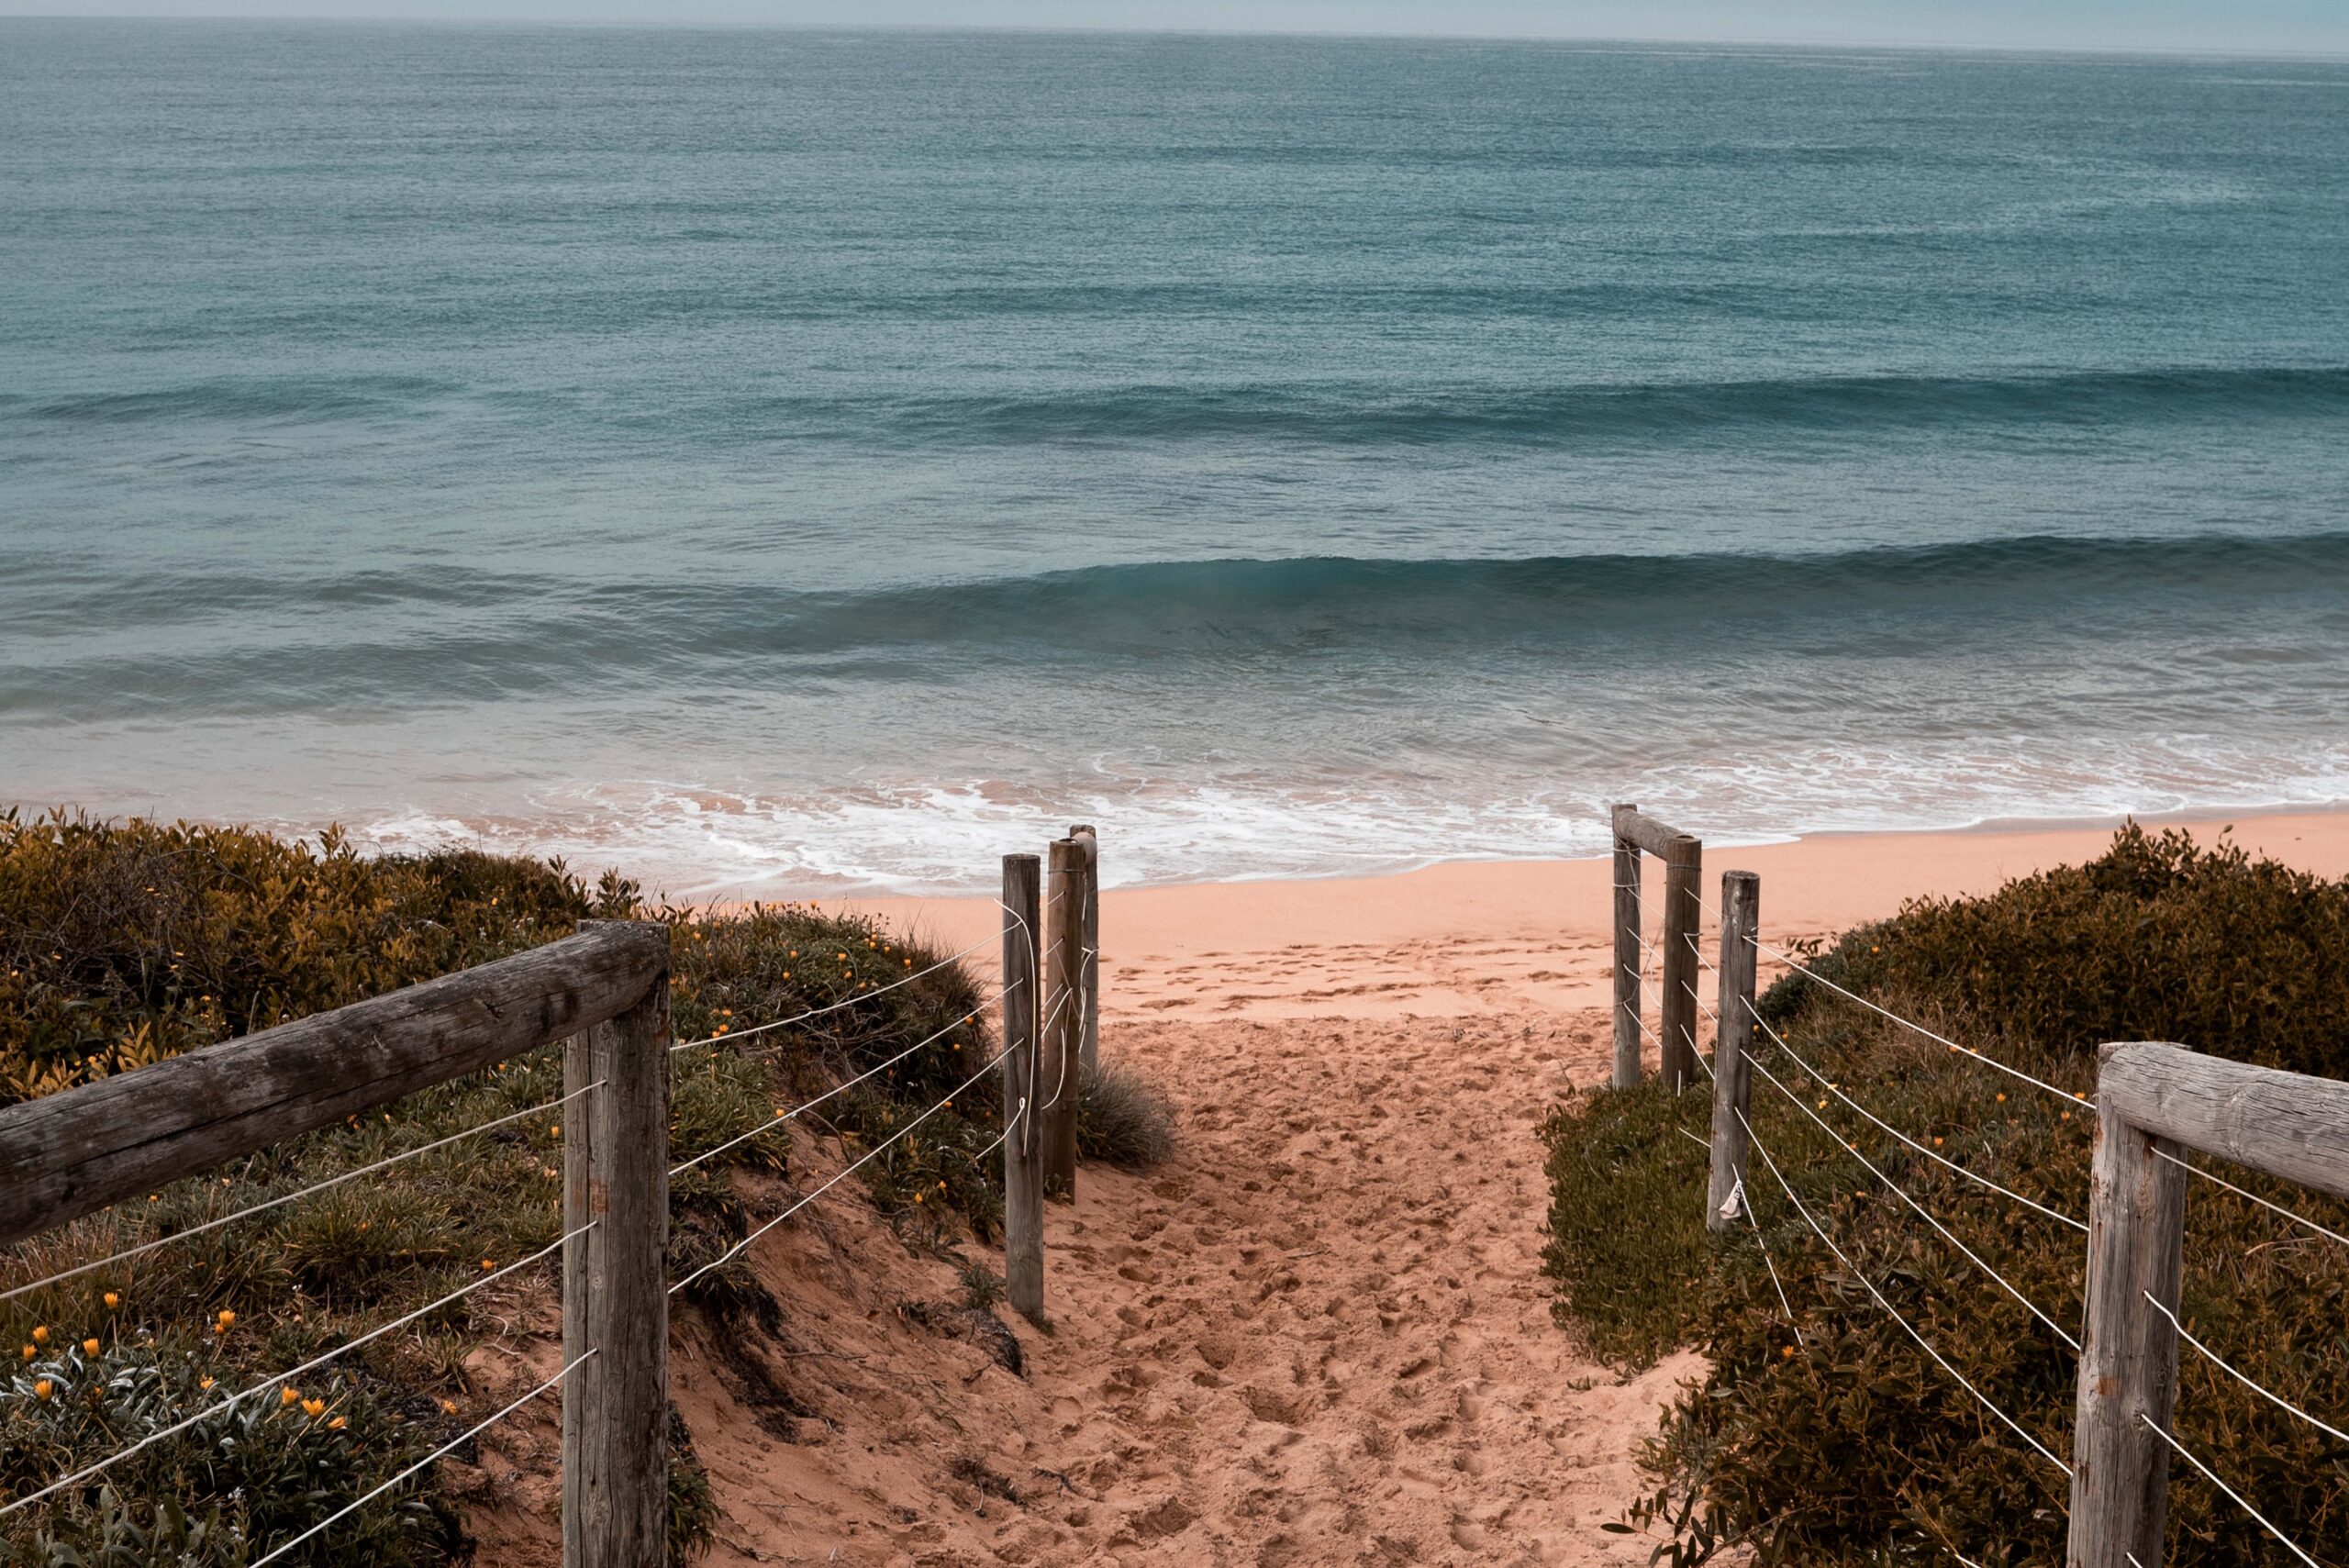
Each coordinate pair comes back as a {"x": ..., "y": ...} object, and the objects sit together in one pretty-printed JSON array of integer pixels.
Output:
[{"x": 787, "y": 462}]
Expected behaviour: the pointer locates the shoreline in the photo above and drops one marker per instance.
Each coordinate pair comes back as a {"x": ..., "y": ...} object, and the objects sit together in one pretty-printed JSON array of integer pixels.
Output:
[{"x": 1464, "y": 937}]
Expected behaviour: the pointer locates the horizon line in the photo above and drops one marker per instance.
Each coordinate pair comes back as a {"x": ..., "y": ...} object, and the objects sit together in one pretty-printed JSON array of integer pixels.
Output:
[{"x": 2329, "y": 55}]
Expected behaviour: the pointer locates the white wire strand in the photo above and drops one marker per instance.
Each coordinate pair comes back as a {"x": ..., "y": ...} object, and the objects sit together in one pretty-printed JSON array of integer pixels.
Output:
[
  {"x": 2229, "y": 1491},
  {"x": 1924, "y": 1343},
  {"x": 766, "y": 1126},
  {"x": 1947, "y": 1235},
  {"x": 732, "y": 1035},
  {"x": 736, "y": 1250},
  {"x": 2264, "y": 1203},
  {"x": 1745, "y": 1203},
  {"x": 1009, "y": 1123},
  {"x": 1014, "y": 1119},
  {"x": 298, "y": 1193},
  {"x": 1975, "y": 1176},
  {"x": 1797, "y": 964},
  {"x": 1066, "y": 1056},
  {"x": 284, "y": 1378},
  {"x": 2216, "y": 1359},
  {"x": 439, "y": 1453}
]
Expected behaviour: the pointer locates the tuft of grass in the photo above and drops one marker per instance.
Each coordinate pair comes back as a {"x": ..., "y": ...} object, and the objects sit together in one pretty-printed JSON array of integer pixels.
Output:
[
  {"x": 122, "y": 943},
  {"x": 982, "y": 1288},
  {"x": 1122, "y": 1118},
  {"x": 1847, "y": 1445}
]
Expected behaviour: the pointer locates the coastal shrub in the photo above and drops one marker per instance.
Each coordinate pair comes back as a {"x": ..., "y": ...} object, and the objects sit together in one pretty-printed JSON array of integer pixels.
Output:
[
  {"x": 125, "y": 942},
  {"x": 1123, "y": 1119},
  {"x": 1627, "y": 1248},
  {"x": 1823, "y": 1432}
]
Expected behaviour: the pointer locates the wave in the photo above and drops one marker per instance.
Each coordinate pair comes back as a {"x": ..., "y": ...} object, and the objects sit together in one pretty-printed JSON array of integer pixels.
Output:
[
  {"x": 1347, "y": 413},
  {"x": 455, "y": 633},
  {"x": 1471, "y": 603},
  {"x": 1351, "y": 413},
  {"x": 274, "y": 399}
]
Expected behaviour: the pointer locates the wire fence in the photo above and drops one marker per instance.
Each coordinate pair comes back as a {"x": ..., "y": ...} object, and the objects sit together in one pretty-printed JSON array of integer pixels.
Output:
[
  {"x": 604, "y": 1102},
  {"x": 1766, "y": 1052}
]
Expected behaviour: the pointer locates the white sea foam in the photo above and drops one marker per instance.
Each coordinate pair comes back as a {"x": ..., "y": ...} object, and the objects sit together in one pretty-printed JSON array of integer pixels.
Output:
[{"x": 696, "y": 844}]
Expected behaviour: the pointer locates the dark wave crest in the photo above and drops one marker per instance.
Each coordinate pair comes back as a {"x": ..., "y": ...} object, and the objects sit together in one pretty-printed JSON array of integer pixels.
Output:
[
  {"x": 1563, "y": 598},
  {"x": 1340, "y": 414},
  {"x": 458, "y": 633},
  {"x": 1350, "y": 414}
]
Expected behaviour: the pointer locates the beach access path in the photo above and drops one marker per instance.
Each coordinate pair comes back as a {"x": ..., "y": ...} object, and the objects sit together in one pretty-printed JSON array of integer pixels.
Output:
[{"x": 1320, "y": 1334}]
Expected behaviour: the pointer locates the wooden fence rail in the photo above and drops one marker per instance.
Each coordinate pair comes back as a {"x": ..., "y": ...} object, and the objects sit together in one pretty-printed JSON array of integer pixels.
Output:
[
  {"x": 2155, "y": 1102},
  {"x": 1683, "y": 855},
  {"x": 606, "y": 993}
]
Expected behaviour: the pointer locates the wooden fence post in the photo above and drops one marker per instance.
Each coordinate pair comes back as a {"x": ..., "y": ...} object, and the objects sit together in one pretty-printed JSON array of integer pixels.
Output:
[
  {"x": 1627, "y": 958},
  {"x": 615, "y": 1288},
  {"x": 1682, "y": 917},
  {"x": 1090, "y": 1051},
  {"x": 1061, "y": 1038},
  {"x": 1023, "y": 1164},
  {"x": 2129, "y": 1353},
  {"x": 1732, "y": 1038}
]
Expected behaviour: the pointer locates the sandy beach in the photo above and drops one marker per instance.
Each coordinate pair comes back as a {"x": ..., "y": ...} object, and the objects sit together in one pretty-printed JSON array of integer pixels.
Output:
[
  {"x": 1319, "y": 1335},
  {"x": 1527, "y": 936}
]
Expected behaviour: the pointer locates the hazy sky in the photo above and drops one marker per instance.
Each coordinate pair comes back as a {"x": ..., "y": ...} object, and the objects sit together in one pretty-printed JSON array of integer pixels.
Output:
[{"x": 2299, "y": 25}]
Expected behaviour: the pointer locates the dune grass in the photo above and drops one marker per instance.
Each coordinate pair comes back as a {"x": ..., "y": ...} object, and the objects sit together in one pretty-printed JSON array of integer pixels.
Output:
[
  {"x": 122, "y": 943},
  {"x": 1845, "y": 1443}
]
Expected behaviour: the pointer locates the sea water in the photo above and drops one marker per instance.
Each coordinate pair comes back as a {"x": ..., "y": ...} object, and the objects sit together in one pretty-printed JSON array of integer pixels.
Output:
[{"x": 782, "y": 461}]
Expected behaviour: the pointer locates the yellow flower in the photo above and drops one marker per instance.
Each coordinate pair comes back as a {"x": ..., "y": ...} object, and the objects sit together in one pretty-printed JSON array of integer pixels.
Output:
[
  {"x": 337, "y": 1424},
  {"x": 288, "y": 1394},
  {"x": 30, "y": 1353},
  {"x": 43, "y": 1389},
  {"x": 89, "y": 1346},
  {"x": 40, "y": 1336},
  {"x": 204, "y": 1383},
  {"x": 486, "y": 1263},
  {"x": 113, "y": 1300},
  {"x": 448, "y": 1406},
  {"x": 314, "y": 1406}
]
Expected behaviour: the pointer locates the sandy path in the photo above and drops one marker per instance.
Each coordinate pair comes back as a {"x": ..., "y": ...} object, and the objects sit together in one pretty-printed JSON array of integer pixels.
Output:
[
  {"x": 1322, "y": 1335},
  {"x": 1317, "y": 1336}
]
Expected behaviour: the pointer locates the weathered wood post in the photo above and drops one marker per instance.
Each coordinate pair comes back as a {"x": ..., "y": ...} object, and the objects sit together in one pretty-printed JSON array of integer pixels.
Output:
[
  {"x": 1733, "y": 1038},
  {"x": 2129, "y": 1352},
  {"x": 2155, "y": 1101},
  {"x": 1062, "y": 1036},
  {"x": 1627, "y": 954},
  {"x": 1090, "y": 975},
  {"x": 616, "y": 1294},
  {"x": 1683, "y": 864},
  {"x": 1023, "y": 1161}
]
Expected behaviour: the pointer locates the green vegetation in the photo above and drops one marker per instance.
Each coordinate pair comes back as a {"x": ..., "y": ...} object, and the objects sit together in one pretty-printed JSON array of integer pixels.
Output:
[
  {"x": 1123, "y": 1119},
  {"x": 1848, "y": 1445},
  {"x": 124, "y": 943}
]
